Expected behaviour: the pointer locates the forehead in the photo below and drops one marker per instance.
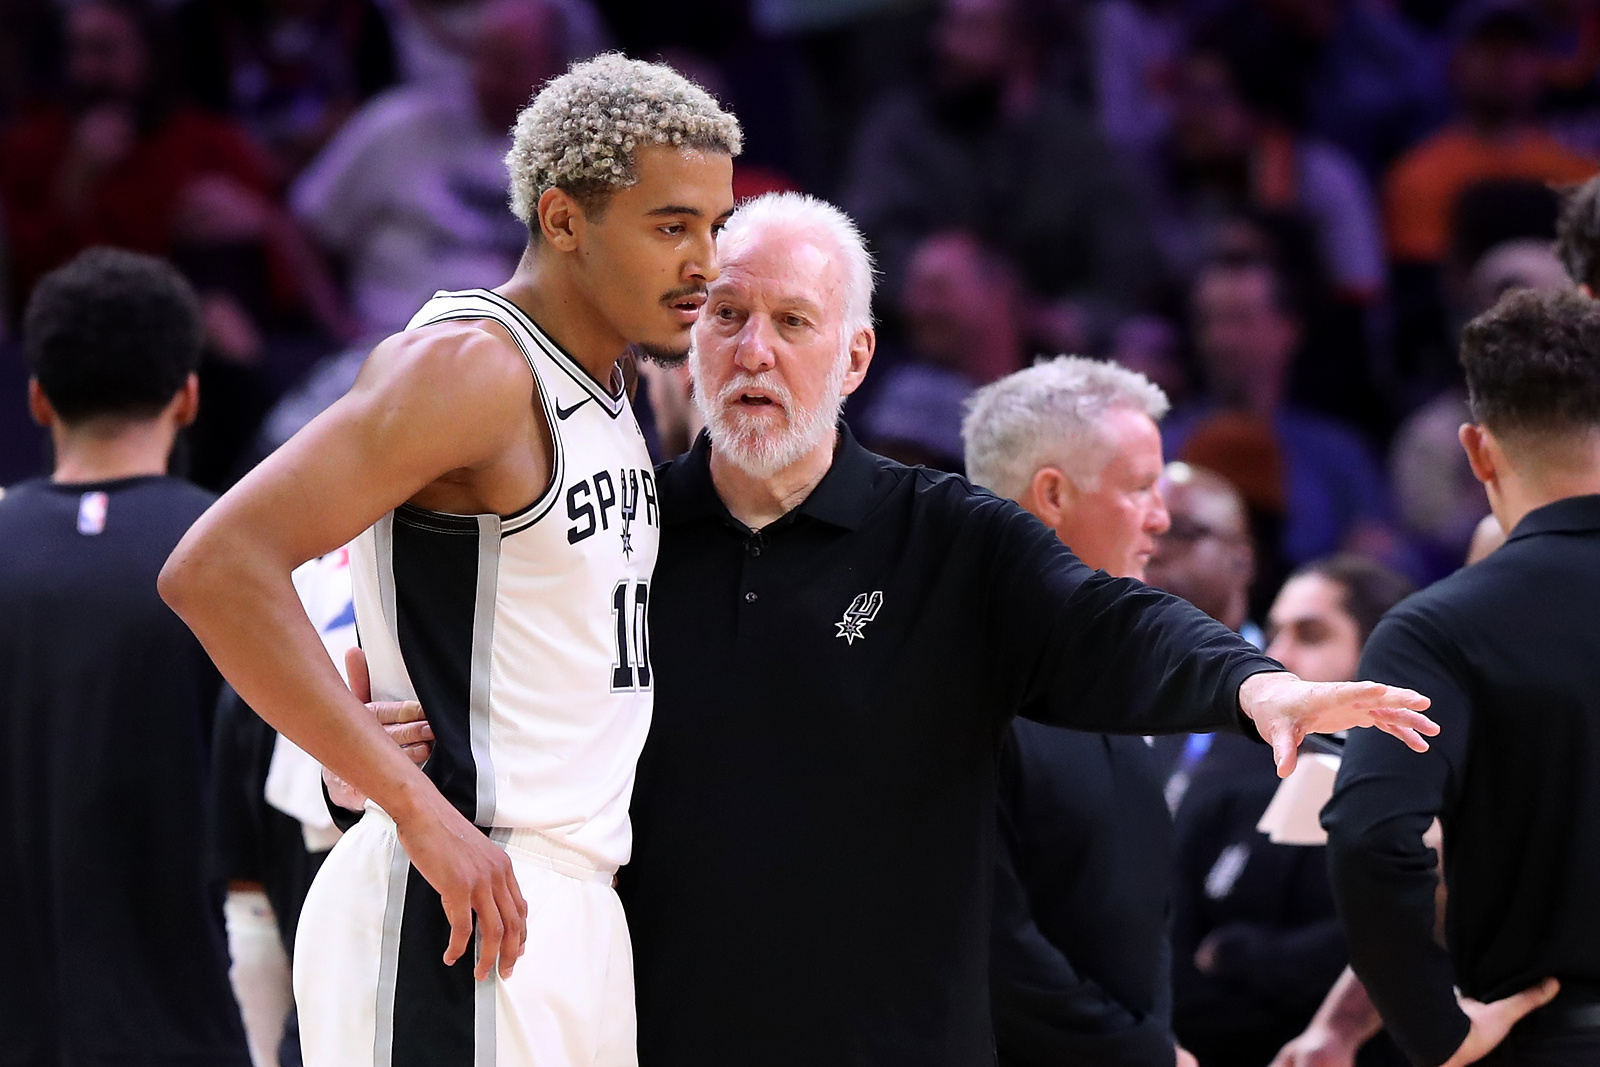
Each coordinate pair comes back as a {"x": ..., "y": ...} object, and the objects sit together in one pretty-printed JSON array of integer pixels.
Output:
[
  {"x": 776, "y": 266},
  {"x": 669, "y": 177},
  {"x": 1310, "y": 596}
]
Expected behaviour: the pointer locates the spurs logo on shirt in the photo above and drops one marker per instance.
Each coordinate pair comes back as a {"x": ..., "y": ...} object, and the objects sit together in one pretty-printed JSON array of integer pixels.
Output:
[
  {"x": 523, "y": 635},
  {"x": 862, "y": 610}
]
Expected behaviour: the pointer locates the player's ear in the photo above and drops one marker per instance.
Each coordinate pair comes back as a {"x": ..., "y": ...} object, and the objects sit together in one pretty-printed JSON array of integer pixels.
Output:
[
  {"x": 1475, "y": 442},
  {"x": 561, "y": 219},
  {"x": 186, "y": 403},
  {"x": 39, "y": 405}
]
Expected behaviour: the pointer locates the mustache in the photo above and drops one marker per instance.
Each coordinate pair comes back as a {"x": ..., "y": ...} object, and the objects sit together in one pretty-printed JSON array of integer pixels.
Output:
[
  {"x": 683, "y": 291},
  {"x": 766, "y": 382}
]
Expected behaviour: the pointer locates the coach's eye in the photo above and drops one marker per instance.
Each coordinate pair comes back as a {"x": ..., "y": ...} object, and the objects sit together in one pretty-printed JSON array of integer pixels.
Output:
[{"x": 671, "y": 230}]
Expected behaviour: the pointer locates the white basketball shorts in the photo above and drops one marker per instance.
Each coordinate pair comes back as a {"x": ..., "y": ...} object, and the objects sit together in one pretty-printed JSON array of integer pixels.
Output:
[{"x": 372, "y": 987}]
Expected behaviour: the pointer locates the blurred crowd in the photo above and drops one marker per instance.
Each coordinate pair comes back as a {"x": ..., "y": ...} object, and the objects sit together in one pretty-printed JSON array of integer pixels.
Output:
[{"x": 1281, "y": 211}]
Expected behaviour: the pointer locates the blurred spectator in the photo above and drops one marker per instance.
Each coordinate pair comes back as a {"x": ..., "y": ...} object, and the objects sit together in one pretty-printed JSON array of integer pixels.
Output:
[
  {"x": 1256, "y": 943},
  {"x": 410, "y": 195},
  {"x": 1310, "y": 481},
  {"x": 120, "y": 162},
  {"x": 1497, "y": 71},
  {"x": 1438, "y": 500},
  {"x": 113, "y": 928},
  {"x": 1228, "y": 153},
  {"x": 290, "y": 71},
  {"x": 1135, "y": 46},
  {"x": 435, "y": 39},
  {"x": 980, "y": 145},
  {"x": 962, "y": 310},
  {"x": 1578, "y": 236},
  {"x": 1351, "y": 72},
  {"x": 1205, "y": 555}
]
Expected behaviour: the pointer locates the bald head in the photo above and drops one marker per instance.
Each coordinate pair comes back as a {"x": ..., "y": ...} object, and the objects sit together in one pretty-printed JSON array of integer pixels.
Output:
[{"x": 1206, "y": 555}]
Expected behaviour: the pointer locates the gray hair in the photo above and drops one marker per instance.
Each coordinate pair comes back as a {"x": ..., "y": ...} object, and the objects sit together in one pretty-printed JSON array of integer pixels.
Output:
[
  {"x": 807, "y": 215},
  {"x": 582, "y": 129},
  {"x": 1049, "y": 415}
]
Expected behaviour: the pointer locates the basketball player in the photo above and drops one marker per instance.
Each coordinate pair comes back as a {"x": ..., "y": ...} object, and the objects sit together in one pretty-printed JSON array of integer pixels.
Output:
[{"x": 491, "y": 475}]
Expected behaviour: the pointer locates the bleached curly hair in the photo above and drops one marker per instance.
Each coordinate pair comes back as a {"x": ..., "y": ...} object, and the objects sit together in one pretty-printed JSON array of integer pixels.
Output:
[{"x": 581, "y": 130}]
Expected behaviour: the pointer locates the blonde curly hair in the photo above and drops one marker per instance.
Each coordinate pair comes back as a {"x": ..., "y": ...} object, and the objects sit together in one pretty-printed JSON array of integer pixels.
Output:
[{"x": 581, "y": 130}]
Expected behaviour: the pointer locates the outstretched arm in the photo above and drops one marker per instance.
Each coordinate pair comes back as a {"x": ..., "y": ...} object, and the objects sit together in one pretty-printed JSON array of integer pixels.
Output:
[
  {"x": 426, "y": 405},
  {"x": 1091, "y": 652}
]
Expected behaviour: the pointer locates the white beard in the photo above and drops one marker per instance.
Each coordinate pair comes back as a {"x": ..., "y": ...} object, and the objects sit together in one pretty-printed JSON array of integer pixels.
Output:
[{"x": 742, "y": 439}]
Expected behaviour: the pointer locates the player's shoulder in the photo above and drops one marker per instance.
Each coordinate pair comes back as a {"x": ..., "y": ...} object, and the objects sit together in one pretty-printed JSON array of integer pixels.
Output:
[{"x": 458, "y": 356}]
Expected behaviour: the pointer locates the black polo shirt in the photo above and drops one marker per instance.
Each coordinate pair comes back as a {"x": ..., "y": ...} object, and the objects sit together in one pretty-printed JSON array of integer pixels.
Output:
[
  {"x": 1509, "y": 653},
  {"x": 814, "y": 810}
]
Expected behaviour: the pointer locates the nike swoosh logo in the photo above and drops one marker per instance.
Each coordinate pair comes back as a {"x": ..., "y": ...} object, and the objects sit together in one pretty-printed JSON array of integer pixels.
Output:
[{"x": 562, "y": 413}]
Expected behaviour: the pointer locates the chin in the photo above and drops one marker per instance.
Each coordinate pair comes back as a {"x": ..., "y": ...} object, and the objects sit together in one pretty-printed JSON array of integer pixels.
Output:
[{"x": 663, "y": 355}]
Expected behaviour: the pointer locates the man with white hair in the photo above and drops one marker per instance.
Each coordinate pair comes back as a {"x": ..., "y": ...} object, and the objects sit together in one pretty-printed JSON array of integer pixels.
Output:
[
  {"x": 503, "y": 520},
  {"x": 1081, "y": 952},
  {"x": 839, "y": 644}
]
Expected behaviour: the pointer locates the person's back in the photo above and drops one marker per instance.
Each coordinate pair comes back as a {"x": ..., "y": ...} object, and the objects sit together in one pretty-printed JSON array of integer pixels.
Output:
[
  {"x": 115, "y": 931},
  {"x": 1525, "y": 595},
  {"x": 1509, "y": 655}
]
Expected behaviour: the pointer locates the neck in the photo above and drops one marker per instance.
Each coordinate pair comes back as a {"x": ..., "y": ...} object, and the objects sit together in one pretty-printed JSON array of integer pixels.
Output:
[
  {"x": 1261, "y": 394},
  {"x": 552, "y": 298},
  {"x": 1511, "y": 498},
  {"x": 759, "y": 502},
  {"x": 101, "y": 452}
]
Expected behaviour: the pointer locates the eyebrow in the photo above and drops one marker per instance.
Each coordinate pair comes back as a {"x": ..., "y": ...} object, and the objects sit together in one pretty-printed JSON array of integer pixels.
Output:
[{"x": 683, "y": 209}]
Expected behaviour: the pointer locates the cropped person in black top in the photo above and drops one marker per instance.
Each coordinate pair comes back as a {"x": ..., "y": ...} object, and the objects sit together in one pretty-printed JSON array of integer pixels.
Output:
[{"x": 1508, "y": 650}]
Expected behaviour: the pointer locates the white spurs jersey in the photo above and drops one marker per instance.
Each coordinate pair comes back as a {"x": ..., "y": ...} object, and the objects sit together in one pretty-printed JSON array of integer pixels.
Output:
[{"x": 523, "y": 635}]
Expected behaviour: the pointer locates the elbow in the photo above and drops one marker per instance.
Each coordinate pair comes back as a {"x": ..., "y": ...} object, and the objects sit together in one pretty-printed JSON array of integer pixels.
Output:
[{"x": 183, "y": 577}]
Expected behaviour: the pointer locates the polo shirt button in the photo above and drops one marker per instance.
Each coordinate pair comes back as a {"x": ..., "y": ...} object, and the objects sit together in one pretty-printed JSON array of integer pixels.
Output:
[
  {"x": 755, "y": 550},
  {"x": 750, "y": 597}
]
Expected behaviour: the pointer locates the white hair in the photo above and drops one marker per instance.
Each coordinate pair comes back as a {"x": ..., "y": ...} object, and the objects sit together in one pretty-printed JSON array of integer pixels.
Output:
[
  {"x": 1049, "y": 415},
  {"x": 581, "y": 130},
  {"x": 800, "y": 213}
]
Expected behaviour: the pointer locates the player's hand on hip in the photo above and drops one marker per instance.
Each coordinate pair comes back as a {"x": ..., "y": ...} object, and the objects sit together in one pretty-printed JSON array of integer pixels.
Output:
[
  {"x": 1286, "y": 709},
  {"x": 1319, "y": 1046},
  {"x": 473, "y": 877},
  {"x": 1491, "y": 1022}
]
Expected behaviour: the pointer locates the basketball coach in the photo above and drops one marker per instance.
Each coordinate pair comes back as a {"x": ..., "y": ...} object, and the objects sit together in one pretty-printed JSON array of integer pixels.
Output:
[{"x": 1500, "y": 647}]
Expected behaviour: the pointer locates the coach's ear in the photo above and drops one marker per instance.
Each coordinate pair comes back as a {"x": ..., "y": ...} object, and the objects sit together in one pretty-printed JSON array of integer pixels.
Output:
[
  {"x": 1481, "y": 457},
  {"x": 862, "y": 346}
]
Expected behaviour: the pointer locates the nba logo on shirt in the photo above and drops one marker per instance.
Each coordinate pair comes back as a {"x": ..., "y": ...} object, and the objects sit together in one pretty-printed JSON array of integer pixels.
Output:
[{"x": 92, "y": 513}]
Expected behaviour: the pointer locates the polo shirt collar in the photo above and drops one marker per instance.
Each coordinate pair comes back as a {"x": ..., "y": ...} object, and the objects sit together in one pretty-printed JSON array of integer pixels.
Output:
[
  {"x": 842, "y": 498},
  {"x": 1574, "y": 514}
]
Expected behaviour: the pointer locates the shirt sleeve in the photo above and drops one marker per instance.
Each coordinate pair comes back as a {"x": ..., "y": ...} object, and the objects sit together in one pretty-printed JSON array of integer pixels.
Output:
[
  {"x": 1086, "y": 651},
  {"x": 1383, "y": 876},
  {"x": 1045, "y": 1012}
]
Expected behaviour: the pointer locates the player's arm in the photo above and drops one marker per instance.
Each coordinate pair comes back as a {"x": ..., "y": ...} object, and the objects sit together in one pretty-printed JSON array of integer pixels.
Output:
[{"x": 425, "y": 405}]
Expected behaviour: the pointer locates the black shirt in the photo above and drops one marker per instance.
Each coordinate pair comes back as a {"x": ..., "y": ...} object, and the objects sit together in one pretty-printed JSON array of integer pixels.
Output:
[
  {"x": 815, "y": 804},
  {"x": 1509, "y": 652},
  {"x": 114, "y": 946},
  {"x": 1266, "y": 908},
  {"x": 1083, "y": 900}
]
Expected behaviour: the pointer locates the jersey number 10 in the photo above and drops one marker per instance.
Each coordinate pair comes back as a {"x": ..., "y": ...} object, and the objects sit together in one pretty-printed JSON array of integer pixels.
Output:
[{"x": 630, "y": 670}]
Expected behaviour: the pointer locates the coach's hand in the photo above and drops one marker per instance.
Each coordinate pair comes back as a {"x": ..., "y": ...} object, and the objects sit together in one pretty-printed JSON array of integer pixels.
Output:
[
  {"x": 1286, "y": 709},
  {"x": 1493, "y": 1021},
  {"x": 402, "y": 720}
]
